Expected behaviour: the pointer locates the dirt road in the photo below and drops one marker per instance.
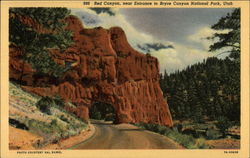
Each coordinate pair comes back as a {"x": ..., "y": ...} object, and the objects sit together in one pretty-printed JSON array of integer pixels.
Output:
[{"x": 125, "y": 136}]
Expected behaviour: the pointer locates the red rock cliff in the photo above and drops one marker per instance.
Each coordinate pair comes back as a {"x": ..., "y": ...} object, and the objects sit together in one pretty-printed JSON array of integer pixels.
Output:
[{"x": 104, "y": 68}]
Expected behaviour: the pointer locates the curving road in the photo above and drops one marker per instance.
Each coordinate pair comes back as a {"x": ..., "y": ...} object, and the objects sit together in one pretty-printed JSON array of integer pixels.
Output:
[{"x": 125, "y": 136}]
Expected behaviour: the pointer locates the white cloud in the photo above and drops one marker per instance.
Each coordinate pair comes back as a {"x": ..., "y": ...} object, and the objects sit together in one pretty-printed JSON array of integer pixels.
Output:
[
  {"x": 200, "y": 37},
  {"x": 170, "y": 59},
  {"x": 179, "y": 58}
]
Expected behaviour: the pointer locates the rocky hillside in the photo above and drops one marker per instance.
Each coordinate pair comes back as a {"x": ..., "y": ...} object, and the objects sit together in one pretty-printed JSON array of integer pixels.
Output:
[
  {"x": 31, "y": 128},
  {"x": 103, "y": 67}
]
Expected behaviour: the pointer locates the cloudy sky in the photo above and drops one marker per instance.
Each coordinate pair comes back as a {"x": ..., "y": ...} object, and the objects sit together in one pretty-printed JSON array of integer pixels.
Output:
[{"x": 176, "y": 36}]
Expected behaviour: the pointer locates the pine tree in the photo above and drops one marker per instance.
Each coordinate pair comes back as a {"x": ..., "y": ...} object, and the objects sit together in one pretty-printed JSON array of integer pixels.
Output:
[
  {"x": 35, "y": 45},
  {"x": 231, "y": 39}
]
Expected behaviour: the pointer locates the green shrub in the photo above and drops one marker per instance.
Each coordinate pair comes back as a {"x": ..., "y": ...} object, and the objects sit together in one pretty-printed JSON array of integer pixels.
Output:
[
  {"x": 213, "y": 134},
  {"x": 44, "y": 104},
  {"x": 140, "y": 125},
  {"x": 58, "y": 101},
  {"x": 167, "y": 131},
  {"x": 63, "y": 118},
  {"x": 223, "y": 124},
  {"x": 162, "y": 129},
  {"x": 53, "y": 122},
  {"x": 57, "y": 127},
  {"x": 39, "y": 126},
  {"x": 187, "y": 141},
  {"x": 201, "y": 144}
]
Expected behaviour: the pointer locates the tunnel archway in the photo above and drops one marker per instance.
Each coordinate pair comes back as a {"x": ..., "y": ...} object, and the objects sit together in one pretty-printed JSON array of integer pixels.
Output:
[{"x": 102, "y": 111}]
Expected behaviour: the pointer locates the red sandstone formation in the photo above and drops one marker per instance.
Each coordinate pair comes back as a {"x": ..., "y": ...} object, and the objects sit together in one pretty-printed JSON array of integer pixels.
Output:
[{"x": 104, "y": 68}]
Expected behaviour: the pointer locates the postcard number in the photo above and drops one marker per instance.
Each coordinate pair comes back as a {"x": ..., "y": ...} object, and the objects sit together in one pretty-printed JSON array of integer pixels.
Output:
[
  {"x": 86, "y": 3},
  {"x": 231, "y": 152}
]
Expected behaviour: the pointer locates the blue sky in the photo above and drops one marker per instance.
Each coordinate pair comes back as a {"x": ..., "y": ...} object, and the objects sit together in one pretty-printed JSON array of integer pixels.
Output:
[{"x": 176, "y": 36}]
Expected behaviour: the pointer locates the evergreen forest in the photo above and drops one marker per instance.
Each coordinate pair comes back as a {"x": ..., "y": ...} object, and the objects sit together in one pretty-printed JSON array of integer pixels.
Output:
[{"x": 209, "y": 90}]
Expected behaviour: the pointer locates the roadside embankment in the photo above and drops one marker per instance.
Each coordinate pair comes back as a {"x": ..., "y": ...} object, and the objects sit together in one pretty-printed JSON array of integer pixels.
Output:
[{"x": 71, "y": 141}]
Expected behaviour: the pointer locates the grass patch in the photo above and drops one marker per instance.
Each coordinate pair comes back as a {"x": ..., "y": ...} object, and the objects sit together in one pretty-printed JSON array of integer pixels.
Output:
[
  {"x": 15, "y": 90},
  {"x": 185, "y": 140},
  {"x": 53, "y": 131}
]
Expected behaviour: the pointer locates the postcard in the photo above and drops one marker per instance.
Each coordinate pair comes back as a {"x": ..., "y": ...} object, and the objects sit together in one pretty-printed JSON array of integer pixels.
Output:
[{"x": 125, "y": 79}]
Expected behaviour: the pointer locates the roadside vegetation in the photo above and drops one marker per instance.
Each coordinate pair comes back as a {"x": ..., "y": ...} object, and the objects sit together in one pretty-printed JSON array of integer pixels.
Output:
[
  {"x": 42, "y": 116},
  {"x": 190, "y": 135},
  {"x": 188, "y": 141}
]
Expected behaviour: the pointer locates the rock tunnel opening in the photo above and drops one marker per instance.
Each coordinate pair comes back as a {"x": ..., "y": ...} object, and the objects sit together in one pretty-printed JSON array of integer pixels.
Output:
[{"x": 102, "y": 111}]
